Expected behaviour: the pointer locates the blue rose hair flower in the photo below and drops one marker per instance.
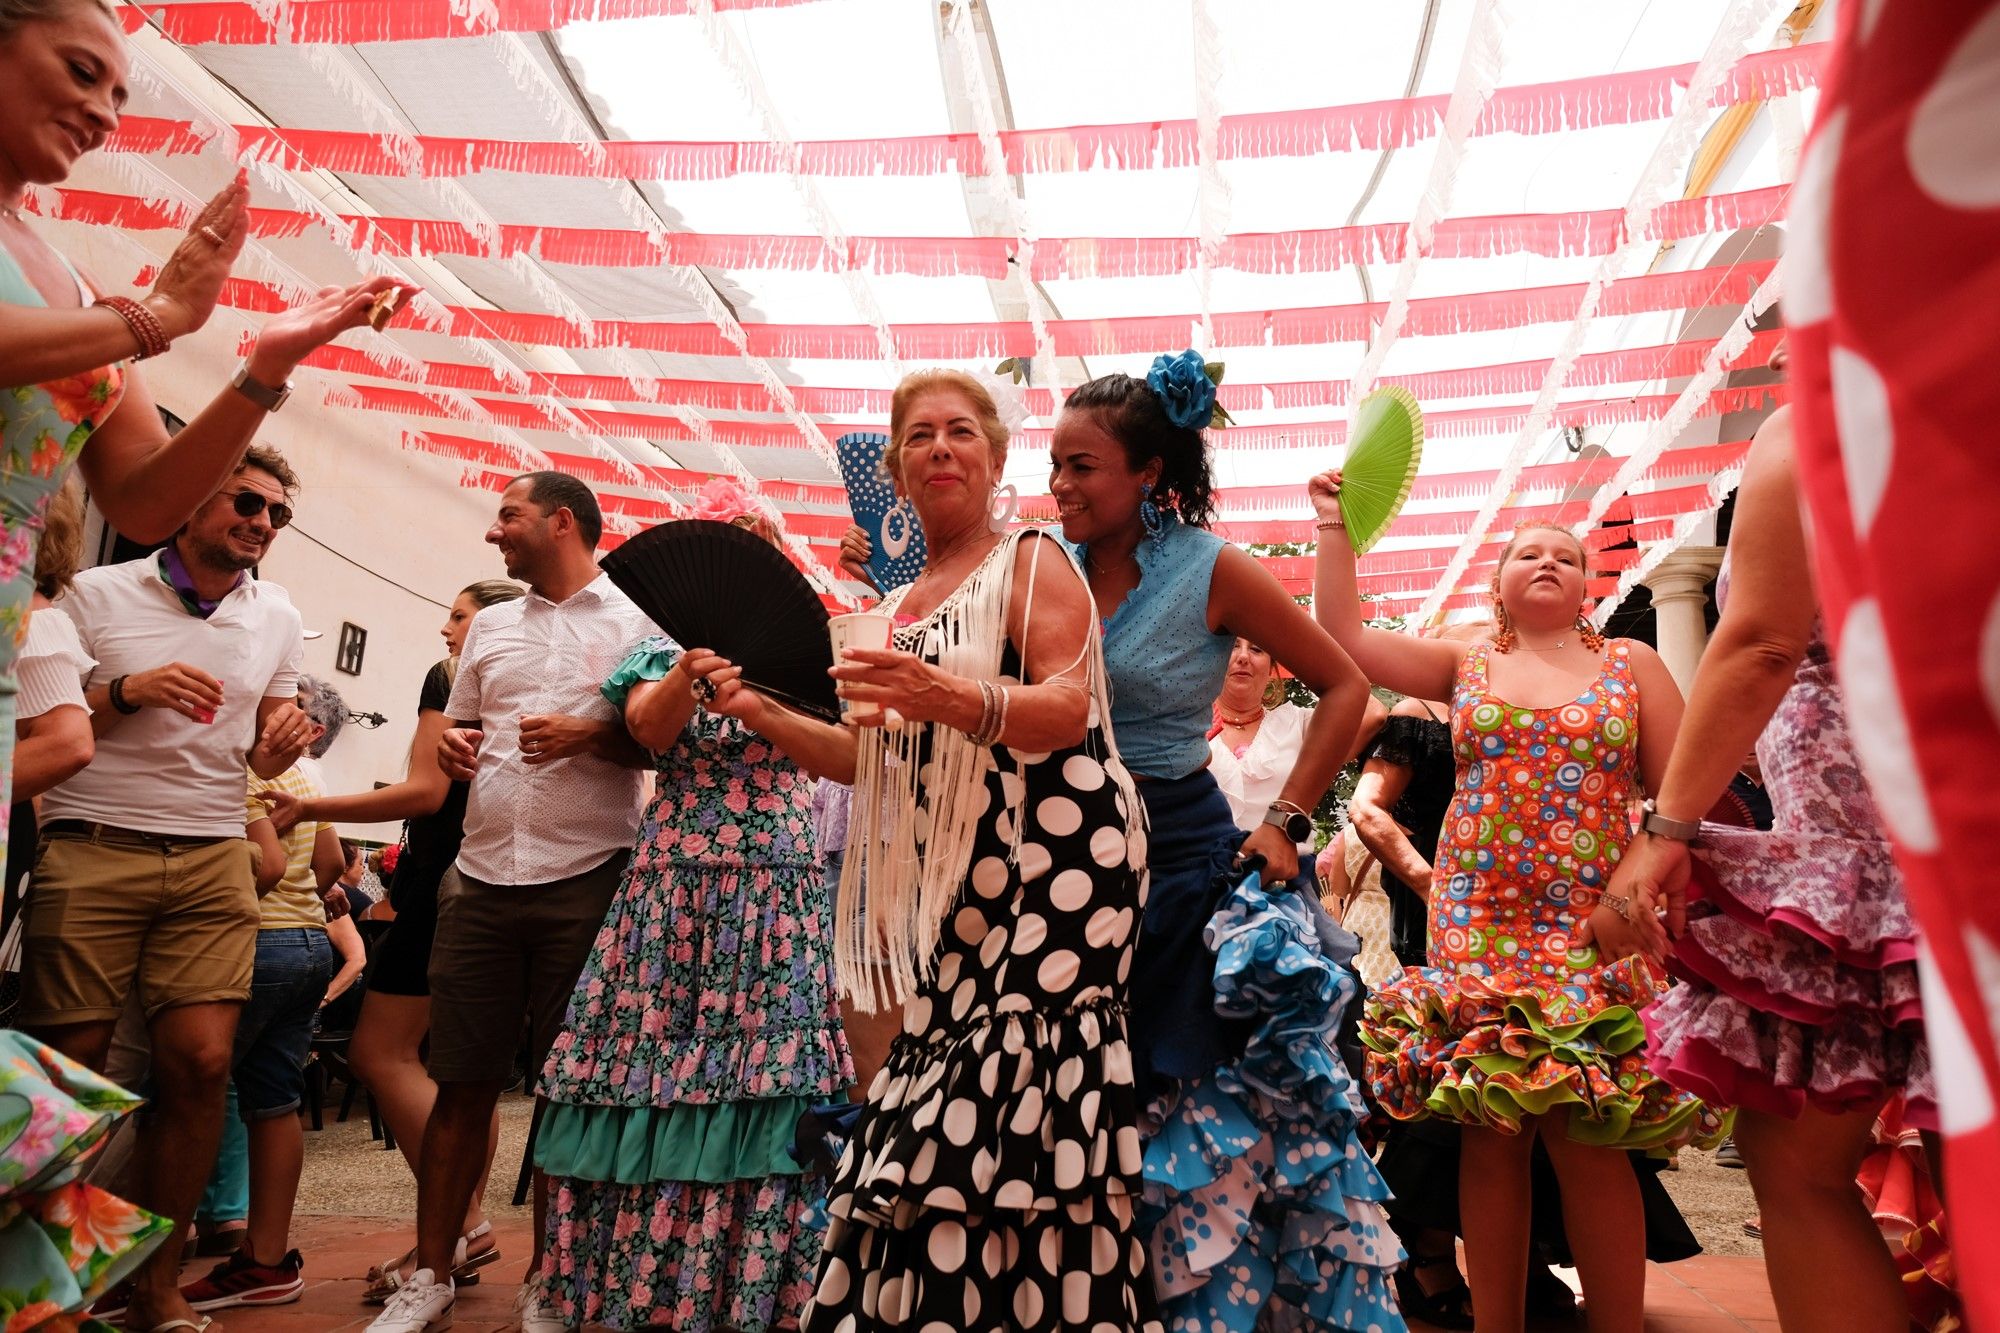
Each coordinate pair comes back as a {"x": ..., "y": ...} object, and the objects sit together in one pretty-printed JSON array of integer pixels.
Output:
[{"x": 1186, "y": 386}]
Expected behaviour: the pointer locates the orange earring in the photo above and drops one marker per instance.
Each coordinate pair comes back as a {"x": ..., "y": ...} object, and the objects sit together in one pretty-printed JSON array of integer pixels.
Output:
[
  {"x": 1588, "y": 632},
  {"x": 1504, "y": 641}
]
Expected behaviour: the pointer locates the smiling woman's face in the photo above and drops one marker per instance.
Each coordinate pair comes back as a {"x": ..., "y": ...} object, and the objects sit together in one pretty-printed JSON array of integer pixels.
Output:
[
  {"x": 62, "y": 87},
  {"x": 945, "y": 458}
]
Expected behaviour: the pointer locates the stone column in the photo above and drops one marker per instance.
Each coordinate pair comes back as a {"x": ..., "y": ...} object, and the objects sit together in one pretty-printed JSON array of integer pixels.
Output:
[{"x": 1679, "y": 588}]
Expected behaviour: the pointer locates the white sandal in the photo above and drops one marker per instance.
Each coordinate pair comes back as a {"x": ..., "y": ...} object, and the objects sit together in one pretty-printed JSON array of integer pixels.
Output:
[{"x": 386, "y": 1278}]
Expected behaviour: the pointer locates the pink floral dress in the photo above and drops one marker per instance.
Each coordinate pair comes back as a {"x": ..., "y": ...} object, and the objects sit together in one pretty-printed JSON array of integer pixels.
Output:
[{"x": 702, "y": 1027}]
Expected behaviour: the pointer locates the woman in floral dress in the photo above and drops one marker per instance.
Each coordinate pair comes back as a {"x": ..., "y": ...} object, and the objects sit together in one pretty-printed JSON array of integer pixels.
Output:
[
  {"x": 703, "y": 1026},
  {"x": 1525, "y": 1025},
  {"x": 68, "y": 393}
]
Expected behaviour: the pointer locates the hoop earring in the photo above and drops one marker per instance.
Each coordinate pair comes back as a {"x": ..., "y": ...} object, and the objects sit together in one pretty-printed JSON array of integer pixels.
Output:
[
  {"x": 999, "y": 522},
  {"x": 902, "y": 518},
  {"x": 1149, "y": 517},
  {"x": 1587, "y": 632},
  {"x": 1504, "y": 641},
  {"x": 1274, "y": 693}
]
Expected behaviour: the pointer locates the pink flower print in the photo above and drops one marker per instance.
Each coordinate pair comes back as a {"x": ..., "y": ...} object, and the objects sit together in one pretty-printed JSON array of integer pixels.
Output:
[
  {"x": 756, "y": 752},
  {"x": 738, "y": 801},
  {"x": 16, "y": 553},
  {"x": 642, "y": 1293},
  {"x": 694, "y": 844},
  {"x": 761, "y": 838},
  {"x": 649, "y": 1263},
  {"x": 662, "y": 1227},
  {"x": 753, "y": 1268},
  {"x": 729, "y": 835}
]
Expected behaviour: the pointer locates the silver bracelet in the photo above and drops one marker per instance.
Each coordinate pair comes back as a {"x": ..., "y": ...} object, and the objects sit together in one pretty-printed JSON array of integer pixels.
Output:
[
  {"x": 1000, "y": 722},
  {"x": 988, "y": 708}
]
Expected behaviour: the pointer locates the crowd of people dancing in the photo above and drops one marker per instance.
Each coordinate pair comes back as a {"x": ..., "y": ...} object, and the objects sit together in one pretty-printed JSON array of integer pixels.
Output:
[{"x": 1025, "y": 997}]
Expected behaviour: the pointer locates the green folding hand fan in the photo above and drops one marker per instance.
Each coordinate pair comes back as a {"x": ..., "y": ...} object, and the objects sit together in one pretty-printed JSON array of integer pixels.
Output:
[{"x": 1383, "y": 451}]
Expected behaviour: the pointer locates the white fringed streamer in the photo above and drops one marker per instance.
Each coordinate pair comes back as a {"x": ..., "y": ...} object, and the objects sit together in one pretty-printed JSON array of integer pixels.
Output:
[
  {"x": 1478, "y": 77},
  {"x": 1663, "y": 434},
  {"x": 993, "y": 165},
  {"x": 1656, "y": 183},
  {"x": 1008, "y": 400},
  {"x": 742, "y": 72},
  {"x": 1212, "y": 198}
]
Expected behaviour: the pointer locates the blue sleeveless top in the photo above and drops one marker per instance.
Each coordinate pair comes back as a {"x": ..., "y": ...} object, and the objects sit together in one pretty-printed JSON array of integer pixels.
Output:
[{"x": 1166, "y": 665}]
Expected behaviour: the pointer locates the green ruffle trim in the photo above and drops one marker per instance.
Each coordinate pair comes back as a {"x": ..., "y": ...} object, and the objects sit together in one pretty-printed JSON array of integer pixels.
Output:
[
  {"x": 651, "y": 660},
  {"x": 1483, "y": 1054},
  {"x": 711, "y": 1144}
]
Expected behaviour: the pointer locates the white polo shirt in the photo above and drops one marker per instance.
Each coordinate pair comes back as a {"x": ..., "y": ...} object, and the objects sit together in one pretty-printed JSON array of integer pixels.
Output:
[
  {"x": 533, "y": 824},
  {"x": 159, "y": 771}
]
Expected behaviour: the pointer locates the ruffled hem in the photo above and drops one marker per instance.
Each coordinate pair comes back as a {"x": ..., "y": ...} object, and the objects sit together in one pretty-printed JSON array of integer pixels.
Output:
[
  {"x": 1492, "y": 1051},
  {"x": 60, "y": 1251},
  {"x": 644, "y": 1069},
  {"x": 1849, "y": 898},
  {"x": 680, "y": 1255},
  {"x": 651, "y": 660},
  {"x": 1730, "y": 1052},
  {"x": 1258, "y": 1195},
  {"x": 640, "y": 1145},
  {"x": 1793, "y": 976},
  {"x": 1010, "y": 1112}
]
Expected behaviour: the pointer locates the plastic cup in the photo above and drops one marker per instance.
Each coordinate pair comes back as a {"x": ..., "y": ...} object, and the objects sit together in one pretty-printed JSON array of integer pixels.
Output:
[
  {"x": 862, "y": 629},
  {"x": 205, "y": 716}
]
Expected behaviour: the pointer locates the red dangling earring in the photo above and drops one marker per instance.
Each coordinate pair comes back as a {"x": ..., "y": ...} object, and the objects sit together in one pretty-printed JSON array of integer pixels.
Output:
[
  {"x": 1504, "y": 641},
  {"x": 1588, "y": 632}
]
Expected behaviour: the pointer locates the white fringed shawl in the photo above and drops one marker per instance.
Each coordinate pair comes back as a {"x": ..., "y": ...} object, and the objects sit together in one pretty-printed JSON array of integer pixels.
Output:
[{"x": 886, "y": 933}]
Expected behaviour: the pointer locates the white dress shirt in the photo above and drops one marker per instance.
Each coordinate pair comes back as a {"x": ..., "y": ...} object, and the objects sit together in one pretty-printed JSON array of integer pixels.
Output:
[
  {"x": 159, "y": 771},
  {"x": 533, "y": 824}
]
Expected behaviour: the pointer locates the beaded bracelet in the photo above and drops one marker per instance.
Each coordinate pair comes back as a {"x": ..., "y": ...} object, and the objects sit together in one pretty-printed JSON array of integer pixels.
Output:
[{"x": 145, "y": 325}]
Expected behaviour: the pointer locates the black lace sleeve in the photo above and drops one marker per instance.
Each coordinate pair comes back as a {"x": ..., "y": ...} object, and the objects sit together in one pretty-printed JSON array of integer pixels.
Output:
[{"x": 1403, "y": 741}]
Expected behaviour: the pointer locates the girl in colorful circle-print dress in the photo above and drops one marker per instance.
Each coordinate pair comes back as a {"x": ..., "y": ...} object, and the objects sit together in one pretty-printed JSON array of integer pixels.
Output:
[{"x": 1525, "y": 1026}]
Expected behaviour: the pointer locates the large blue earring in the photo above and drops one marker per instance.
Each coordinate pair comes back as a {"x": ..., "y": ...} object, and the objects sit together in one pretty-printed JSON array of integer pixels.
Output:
[{"x": 1149, "y": 516}]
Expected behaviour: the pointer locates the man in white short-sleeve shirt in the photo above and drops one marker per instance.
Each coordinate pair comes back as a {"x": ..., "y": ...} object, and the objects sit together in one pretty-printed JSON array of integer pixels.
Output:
[
  {"x": 143, "y": 886},
  {"x": 556, "y": 789}
]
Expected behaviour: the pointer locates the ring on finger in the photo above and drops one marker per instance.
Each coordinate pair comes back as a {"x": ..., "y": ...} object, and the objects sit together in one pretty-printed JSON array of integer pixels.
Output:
[
  {"x": 213, "y": 236},
  {"x": 704, "y": 690}
]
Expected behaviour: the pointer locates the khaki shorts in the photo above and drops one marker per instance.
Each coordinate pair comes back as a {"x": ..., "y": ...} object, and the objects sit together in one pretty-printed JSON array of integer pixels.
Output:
[
  {"x": 507, "y": 956},
  {"x": 112, "y": 911}
]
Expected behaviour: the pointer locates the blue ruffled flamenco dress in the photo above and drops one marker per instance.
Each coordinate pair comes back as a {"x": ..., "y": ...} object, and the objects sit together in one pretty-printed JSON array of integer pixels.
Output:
[{"x": 1278, "y": 1228}]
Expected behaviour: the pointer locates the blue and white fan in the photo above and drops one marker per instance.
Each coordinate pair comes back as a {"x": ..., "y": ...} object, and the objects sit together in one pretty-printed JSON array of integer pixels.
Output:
[{"x": 871, "y": 498}]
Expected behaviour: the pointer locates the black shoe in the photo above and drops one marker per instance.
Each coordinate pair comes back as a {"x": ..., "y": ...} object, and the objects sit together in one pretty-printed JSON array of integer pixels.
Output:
[{"x": 1450, "y": 1307}]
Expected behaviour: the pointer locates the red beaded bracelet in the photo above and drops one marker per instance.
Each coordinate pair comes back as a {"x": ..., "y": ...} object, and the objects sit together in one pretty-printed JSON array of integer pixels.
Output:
[{"x": 145, "y": 325}]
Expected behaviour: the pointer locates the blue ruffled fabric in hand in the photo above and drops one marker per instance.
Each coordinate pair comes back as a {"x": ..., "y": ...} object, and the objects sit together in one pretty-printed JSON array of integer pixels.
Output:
[{"x": 1258, "y": 1194}]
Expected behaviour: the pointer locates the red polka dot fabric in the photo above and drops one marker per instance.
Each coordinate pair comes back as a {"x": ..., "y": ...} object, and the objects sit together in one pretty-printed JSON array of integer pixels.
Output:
[{"x": 1893, "y": 292}]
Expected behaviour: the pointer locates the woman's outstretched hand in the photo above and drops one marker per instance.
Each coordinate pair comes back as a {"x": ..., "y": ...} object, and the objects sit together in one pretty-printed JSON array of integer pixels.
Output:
[
  {"x": 731, "y": 697},
  {"x": 190, "y": 282},
  {"x": 288, "y": 337},
  {"x": 1324, "y": 492}
]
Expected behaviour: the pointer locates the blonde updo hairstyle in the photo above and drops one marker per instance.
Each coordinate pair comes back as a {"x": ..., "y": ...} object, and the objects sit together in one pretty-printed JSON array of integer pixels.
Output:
[
  {"x": 920, "y": 382},
  {"x": 1504, "y": 639}
]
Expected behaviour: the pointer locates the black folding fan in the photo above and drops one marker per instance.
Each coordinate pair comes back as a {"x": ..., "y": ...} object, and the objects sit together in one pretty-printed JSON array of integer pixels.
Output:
[{"x": 721, "y": 587}]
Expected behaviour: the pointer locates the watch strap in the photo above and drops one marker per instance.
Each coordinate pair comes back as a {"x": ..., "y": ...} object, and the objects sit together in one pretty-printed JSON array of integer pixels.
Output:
[
  {"x": 258, "y": 392},
  {"x": 1657, "y": 824}
]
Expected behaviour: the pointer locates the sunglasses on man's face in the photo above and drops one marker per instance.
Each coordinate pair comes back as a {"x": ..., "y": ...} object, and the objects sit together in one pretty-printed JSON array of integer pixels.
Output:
[{"x": 249, "y": 504}]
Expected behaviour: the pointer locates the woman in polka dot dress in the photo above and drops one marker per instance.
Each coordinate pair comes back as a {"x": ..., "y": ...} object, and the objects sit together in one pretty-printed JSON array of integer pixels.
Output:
[
  {"x": 1526, "y": 1022},
  {"x": 1891, "y": 281},
  {"x": 991, "y": 1179}
]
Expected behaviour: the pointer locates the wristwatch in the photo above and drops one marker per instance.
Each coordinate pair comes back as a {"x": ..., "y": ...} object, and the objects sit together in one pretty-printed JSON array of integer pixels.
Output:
[
  {"x": 1298, "y": 825},
  {"x": 258, "y": 392},
  {"x": 1657, "y": 824}
]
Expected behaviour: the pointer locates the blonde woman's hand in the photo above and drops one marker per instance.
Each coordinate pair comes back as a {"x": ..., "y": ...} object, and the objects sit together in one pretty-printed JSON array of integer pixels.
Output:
[
  {"x": 289, "y": 336},
  {"x": 190, "y": 282},
  {"x": 903, "y": 684},
  {"x": 1324, "y": 492}
]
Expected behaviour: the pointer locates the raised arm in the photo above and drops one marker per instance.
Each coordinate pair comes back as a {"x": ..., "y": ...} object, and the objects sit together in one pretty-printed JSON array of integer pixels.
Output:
[
  {"x": 1402, "y": 662},
  {"x": 1244, "y": 600}
]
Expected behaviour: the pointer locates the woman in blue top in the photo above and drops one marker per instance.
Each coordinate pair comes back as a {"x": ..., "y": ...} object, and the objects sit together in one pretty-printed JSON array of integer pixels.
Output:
[{"x": 1231, "y": 1102}]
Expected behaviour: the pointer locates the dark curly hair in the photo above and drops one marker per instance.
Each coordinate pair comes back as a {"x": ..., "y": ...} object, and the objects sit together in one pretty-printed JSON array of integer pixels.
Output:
[{"x": 1134, "y": 415}]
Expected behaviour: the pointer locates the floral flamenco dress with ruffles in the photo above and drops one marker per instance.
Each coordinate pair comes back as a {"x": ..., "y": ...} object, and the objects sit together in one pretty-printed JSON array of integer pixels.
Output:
[
  {"x": 700, "y": 1030},
  {"x": 1799, "y": 964},
  {"x": 62, "y": 1243},
  {"x": 1512, "y": 1018}
]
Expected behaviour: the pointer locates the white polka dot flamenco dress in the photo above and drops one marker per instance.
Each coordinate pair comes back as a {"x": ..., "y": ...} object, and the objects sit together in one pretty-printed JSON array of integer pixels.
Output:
[{"x": 992, "y": 1178}]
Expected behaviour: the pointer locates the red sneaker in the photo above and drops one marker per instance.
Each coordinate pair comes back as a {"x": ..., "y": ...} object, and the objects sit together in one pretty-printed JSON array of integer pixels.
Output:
[{"x": 241, "y": 1280}]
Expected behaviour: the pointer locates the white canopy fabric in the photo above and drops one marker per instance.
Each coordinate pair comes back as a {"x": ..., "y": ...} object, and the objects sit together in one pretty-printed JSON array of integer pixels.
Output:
[{"x": 769, "y": 83}]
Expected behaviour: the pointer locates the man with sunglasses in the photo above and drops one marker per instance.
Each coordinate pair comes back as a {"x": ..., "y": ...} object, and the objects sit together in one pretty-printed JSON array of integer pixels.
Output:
[{"x": 145, "y": 884}]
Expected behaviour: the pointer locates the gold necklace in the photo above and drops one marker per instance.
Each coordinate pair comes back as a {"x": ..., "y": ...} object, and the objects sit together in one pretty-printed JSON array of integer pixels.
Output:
[{"x": 1555, "y": 647}]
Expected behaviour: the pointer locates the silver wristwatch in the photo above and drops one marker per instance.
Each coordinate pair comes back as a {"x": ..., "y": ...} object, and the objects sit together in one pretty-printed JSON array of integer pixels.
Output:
[
  {"x": 258, "y": 392},
  {"x": 1657, "y": 824}
]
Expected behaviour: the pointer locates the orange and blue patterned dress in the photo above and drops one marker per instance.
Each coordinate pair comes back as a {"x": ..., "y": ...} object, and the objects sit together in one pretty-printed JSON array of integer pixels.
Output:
[
  {"x": 64, "y": 1242},
  {"x": 1513, "y": 1018}
]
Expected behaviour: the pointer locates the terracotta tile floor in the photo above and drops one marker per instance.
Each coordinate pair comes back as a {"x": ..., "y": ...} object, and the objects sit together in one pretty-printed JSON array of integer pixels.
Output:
[{"x": 1710, "y": 1294}]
